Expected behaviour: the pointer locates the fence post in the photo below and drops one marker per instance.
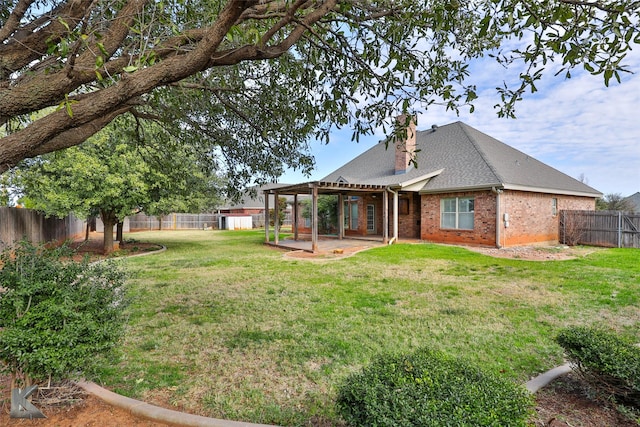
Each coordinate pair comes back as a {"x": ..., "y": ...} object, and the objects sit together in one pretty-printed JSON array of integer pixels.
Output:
[{"x": 619, "y": 229}]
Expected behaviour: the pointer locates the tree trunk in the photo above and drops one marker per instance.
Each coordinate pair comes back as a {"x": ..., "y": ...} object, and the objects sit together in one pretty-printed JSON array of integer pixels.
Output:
[
  {"x": 119, "y": 230},
  {"x": 109, "y": 220}
]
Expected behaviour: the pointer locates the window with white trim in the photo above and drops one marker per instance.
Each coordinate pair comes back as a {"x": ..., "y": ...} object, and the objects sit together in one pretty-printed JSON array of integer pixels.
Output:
[
  {"x": 554, "y": 206},
  {"x": 457, "y": 213}
]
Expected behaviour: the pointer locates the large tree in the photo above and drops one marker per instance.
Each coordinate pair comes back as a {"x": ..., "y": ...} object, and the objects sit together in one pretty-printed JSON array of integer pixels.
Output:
[
  {"x": 614, "y": 202},
  {"x": 359, "y": 61},
  {"x": 113, "y": 175}
]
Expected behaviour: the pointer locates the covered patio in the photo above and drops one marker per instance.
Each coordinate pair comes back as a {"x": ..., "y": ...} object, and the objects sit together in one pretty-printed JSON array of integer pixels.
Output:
[{"x": 341, "y": 189}]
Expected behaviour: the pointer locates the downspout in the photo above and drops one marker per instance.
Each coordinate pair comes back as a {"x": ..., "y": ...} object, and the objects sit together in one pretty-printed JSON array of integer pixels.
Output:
[
  {"x": 395, "y": 216},
  {"x": 497, "y": 192}
]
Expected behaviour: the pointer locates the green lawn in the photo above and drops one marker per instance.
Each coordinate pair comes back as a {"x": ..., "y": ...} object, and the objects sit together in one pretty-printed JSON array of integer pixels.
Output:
[{"x": 223, "y": 326}]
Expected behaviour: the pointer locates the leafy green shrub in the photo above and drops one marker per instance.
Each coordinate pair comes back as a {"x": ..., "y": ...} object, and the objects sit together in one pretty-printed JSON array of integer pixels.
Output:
[
  {"x": 57, "y": 317},
  {"x": 605, "y": 360},
  {"x": 429, "y": 388}
]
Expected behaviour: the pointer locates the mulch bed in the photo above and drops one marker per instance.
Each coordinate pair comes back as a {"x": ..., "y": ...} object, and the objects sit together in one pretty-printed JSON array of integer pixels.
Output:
[{"x": 567, "y": 401}]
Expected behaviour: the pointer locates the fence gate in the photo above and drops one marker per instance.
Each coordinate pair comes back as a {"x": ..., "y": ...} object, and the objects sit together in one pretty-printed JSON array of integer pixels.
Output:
[{"x": 600, "y": 228}]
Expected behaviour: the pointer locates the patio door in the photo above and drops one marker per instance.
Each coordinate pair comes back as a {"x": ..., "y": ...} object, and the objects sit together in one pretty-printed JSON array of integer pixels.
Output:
[
  {"x": 354, "y": 216},
  {"x": 371, "y": 219}
]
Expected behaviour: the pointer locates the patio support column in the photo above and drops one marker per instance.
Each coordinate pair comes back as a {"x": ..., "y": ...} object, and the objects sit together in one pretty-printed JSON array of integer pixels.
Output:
[
  {"x": 314, "y": 220},
  {"x": 266, "y": 217},
  {"x": 294, "y": 220},
  {"x": 276, "y": 219},
  {"x": 395, "y": 217},
  {"x": 340, "y": 216},
  {"x": 385, "y": 217}
]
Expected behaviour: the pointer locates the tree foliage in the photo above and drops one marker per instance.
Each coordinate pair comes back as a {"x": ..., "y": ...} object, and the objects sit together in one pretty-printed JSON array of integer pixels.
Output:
[
  {"x": 57, "y": 318},
  {"x": 607, "y": 361},
  {"x": 431, "y": 389},
  {"x": 282, "y": 212},
  {"x": 614, "y": 202},
  {"x": 114, "y": 175},
  {"x": 5, "y": 193},
  {"x": 327, "y": 213},
  {"x": 314, "y": 64}
]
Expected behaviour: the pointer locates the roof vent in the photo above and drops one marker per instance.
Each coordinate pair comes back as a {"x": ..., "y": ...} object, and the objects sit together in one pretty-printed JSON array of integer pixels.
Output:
[{"x": 434, "y": 127}]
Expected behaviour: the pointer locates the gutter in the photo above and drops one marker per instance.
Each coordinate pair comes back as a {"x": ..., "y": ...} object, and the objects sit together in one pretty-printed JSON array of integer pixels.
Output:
[
  {"x": 497, "y": 192},
  {"x": 395, "y": 215}
]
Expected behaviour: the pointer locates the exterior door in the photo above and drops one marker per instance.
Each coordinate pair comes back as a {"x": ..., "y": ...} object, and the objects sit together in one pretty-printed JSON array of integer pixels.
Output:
[{"x": 371, "y": 219}]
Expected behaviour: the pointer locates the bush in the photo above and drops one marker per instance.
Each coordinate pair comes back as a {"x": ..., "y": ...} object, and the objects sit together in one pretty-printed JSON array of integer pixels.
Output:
[
  {"x": 428, "y": 388},
  {"x": 57, "y": 317},
  {"x": 606, "y": 361}
]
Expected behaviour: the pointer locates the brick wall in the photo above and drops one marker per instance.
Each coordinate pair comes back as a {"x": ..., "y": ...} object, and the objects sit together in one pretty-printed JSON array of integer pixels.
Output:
[
  {"x": 531, "y": 218},
  {"x": 409, "y": 219},
  {"x": 484, "y": 227}
]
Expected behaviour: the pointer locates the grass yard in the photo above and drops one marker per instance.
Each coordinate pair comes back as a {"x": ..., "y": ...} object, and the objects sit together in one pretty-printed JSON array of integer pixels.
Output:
[{"x": 223, "y": 326}]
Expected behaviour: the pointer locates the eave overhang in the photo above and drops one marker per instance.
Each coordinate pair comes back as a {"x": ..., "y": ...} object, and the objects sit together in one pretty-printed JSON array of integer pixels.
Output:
[
  {"x": 513, "y": 187},
  {"x": 415, "y": 184}
]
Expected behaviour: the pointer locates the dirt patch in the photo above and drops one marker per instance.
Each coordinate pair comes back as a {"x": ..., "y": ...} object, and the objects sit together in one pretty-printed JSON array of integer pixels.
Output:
[
  {"x": 536, "y": 253},
  {"x": 326, "y": 255},
  {"x": 567, "y": 402},
  {"x": 529, "y": 253},
  {"x": 93, "y": 248},
  {"x": 80, "y": 410}
]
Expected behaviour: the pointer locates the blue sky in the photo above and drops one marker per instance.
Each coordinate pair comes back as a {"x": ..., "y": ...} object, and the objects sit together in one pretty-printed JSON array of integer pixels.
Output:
[{"x": 578, "y": 126}]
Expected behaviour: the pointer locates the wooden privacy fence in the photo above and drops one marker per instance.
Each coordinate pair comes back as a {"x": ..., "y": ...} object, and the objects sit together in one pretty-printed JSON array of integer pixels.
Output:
[
  {"x": 184, "y": 221},
  {"x": 600, "y": 228},
  {"x": 16, "y": 224},
  {"x": 175, "y": 221}
]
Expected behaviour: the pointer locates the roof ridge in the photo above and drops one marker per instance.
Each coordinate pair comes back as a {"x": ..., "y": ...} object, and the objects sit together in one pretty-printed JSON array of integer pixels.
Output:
[{"x": 482, "y": 154}]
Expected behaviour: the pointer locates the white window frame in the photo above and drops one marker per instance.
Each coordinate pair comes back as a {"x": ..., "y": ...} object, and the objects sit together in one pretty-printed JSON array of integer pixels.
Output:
[
  {"x": 447, "y": 215},
  {"x": 554, "y": 206}
]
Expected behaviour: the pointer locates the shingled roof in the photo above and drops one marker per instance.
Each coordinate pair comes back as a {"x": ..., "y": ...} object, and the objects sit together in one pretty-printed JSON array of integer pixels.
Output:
[
  {"x": 457, "y": 157},
  {"x": 634, "y": 200}
]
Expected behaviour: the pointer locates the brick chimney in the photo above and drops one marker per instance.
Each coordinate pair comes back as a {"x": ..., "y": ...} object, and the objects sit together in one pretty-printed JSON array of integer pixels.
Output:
[{"x": 405, "y": 148}]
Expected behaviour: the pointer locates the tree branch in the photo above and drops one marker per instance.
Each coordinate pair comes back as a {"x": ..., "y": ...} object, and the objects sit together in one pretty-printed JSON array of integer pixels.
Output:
[
  {"x": 37, "y": 137},
  {"x": 12, "y": 23},
  {"x": 22, "y": 50}
]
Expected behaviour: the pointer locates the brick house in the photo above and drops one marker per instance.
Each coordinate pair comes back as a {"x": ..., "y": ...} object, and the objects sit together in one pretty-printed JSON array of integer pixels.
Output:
[{"x": 464, "y": 188}]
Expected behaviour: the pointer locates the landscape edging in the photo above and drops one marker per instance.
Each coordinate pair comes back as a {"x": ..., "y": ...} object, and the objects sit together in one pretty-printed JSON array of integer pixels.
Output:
[
  {"x": 156, "y": 413},
  {"x": 544, "y": 379},
  {"x": 176, "y": 418}
]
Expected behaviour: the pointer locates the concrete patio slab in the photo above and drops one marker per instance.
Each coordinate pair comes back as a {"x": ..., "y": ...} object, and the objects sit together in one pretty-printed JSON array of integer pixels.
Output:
[{"x": 329, "y": 245}]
